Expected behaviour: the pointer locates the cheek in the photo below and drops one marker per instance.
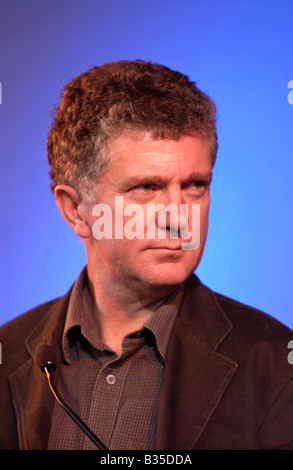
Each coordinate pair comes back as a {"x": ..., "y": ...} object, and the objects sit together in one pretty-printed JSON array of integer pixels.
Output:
[
  {"x": 204, "y": 219},
  {"x": 204, "y": 212},
  {"x": 199, "y": 216}
]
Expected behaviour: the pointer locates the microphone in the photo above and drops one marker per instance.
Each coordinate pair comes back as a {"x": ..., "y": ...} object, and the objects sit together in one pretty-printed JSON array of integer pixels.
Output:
[{"x": 47, "y": 361}]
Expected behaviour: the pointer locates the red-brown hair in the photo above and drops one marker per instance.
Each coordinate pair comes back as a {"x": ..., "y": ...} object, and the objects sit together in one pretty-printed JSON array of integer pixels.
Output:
[{"x": 98, "y": 105}]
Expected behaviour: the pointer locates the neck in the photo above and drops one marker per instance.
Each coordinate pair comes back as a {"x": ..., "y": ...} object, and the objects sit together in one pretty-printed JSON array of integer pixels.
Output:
[{"x": 118, "y": 309}]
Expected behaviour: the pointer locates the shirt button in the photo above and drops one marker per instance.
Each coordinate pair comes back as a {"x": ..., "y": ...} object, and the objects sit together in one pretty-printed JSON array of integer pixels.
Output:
[{"x": 111, "y": 379}]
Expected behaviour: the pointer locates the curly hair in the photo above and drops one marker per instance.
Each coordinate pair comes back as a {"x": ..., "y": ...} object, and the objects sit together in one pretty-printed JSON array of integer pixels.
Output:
[{"x": 98, "y": 105}]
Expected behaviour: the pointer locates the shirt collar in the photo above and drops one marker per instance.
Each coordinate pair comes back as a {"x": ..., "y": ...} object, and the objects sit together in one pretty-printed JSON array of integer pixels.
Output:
[
  {"x": 160, "y": 323},
  {"x": 76, "y": 316}
]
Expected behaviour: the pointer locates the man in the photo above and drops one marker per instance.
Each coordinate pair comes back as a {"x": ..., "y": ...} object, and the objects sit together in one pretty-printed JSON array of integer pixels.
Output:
[{"x": 147, "y": 356}]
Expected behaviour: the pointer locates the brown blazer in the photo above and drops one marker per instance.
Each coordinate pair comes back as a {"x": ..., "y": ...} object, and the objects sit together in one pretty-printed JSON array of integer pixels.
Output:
[{"x": 227, "y": 382}]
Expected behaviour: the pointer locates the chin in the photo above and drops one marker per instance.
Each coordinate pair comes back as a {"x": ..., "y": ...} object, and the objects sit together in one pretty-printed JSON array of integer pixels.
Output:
[{"x": 168, "y": 275}]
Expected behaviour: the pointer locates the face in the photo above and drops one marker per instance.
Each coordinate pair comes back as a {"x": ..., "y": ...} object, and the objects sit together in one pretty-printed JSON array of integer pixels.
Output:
[{"x": 144, "y": 248}]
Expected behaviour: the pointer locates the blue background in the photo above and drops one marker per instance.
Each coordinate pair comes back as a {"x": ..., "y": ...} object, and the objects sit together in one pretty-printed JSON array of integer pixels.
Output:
[{"x": 238, "y": 52}]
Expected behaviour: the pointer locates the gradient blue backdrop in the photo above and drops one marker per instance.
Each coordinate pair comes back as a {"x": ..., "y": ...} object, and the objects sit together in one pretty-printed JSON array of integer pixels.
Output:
[{"x": 241, "y": 53}]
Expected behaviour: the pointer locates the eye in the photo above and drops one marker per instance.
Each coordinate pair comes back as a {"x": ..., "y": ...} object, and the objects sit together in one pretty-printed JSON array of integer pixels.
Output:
[
  {"x": 198, "y": 184},
  {"x": 146, "y": 187}
]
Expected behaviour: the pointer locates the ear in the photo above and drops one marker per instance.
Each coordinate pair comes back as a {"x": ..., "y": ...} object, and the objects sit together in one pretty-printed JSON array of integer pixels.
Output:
[{"x": 68, "y": 202}]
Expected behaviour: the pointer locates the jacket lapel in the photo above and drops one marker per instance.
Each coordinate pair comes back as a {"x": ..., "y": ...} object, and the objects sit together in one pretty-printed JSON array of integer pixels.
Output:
[
  {"x": 32, "y": 398},
  {"x": 196, "y": 374}
]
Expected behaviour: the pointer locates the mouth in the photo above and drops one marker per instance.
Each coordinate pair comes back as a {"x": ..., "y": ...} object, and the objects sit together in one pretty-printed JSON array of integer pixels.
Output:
[{"x": 177, "y": 247}]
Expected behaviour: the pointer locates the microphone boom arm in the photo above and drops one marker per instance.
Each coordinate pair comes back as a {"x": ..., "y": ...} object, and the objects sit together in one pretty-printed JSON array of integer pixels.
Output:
[{"x": 70, "y": 412}]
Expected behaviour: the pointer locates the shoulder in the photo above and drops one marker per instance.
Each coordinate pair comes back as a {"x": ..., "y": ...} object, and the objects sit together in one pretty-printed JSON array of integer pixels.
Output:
[
  {"x": 241, "y": 331},
  {"x": 38, "y": 321},
  {"x": 23, "y": 325},
  {"x": 210, "y": 310},
  {"x": 252, "y": 320},
  {"x": 258, "y": 342}
]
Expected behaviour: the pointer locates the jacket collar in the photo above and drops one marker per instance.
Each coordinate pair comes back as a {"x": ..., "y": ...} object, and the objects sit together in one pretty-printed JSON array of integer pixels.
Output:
[{"x": 196, "y": 374}]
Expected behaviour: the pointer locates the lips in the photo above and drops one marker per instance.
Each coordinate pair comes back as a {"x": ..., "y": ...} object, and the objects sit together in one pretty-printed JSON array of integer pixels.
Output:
[{"x": 168, "y": 247}]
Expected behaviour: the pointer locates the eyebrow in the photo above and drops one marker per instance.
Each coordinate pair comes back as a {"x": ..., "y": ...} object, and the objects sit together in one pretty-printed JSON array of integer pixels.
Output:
[
  {"x": 139, "y": 180},
  {"x": 197, "y": 176},
  {"x": 132, "y": 181}
]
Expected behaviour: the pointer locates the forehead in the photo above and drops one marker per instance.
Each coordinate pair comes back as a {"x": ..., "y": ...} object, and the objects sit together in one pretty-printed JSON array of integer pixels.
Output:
[{"x": 144, "y": 154}]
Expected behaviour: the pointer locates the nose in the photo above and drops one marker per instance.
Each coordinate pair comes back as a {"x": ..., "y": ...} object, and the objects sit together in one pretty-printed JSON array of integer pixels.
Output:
[{"x": 172, "y": 217}]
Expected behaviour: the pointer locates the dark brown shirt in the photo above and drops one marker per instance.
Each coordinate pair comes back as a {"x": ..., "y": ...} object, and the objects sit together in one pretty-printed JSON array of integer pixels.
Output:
[{"x": 116, "y": 396}]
